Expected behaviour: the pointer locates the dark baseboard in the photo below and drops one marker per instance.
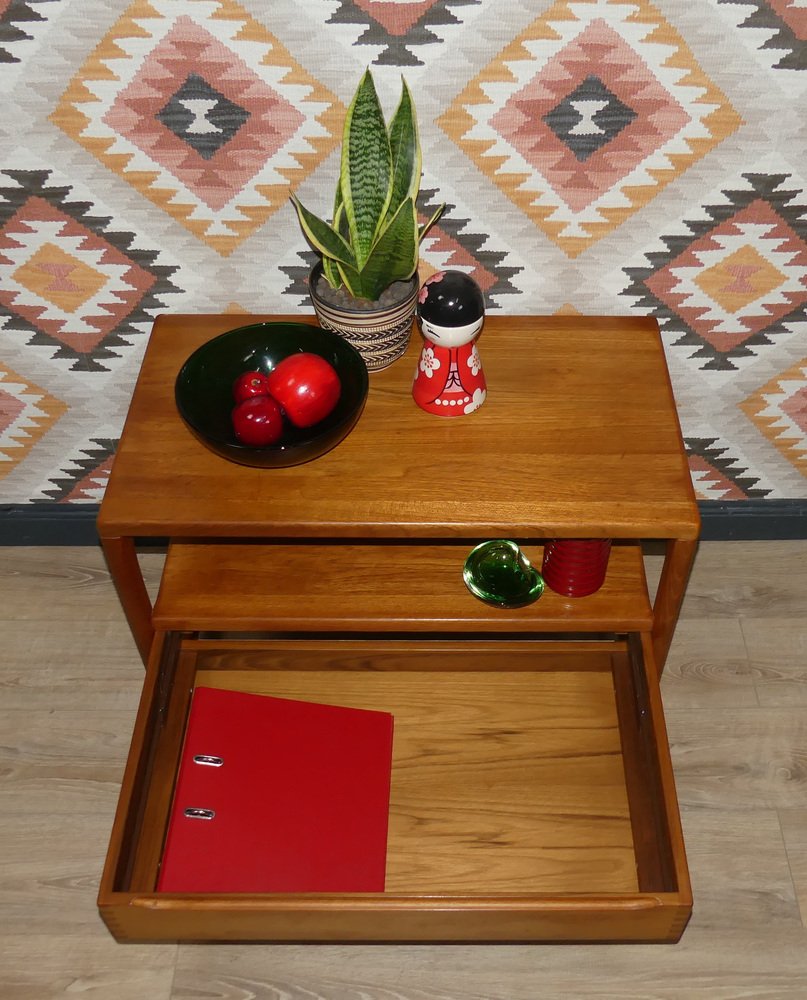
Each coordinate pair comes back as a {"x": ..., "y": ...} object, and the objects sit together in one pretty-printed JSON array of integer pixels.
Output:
[
  {"x": 48, "y": 524},
  {"x": 753, "y": 520},
  {"x": 746, "y": 520}
]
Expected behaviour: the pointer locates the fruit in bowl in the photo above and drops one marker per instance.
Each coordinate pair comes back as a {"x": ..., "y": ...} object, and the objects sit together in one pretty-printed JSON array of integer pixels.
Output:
[
  {"x": 209, "y": 382},
  {"x": 250, "y": 384},
  {"x": 257, "y": 421},
  {"x": 306, "y": 386}
]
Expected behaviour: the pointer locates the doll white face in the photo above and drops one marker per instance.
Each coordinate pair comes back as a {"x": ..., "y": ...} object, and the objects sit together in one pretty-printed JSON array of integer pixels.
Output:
[{"x": 451, "y": 336}]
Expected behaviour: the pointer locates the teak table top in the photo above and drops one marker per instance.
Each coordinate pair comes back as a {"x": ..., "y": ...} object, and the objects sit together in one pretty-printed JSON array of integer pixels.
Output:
[{"x": 579, "y": 436}]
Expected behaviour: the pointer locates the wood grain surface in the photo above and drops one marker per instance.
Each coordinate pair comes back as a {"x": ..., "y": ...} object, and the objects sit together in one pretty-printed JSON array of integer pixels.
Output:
[
  {"x": 386, "y": 588},
  {"x": 70, "y": 676},
  {"x": 494, "y": 774},
  {"x": 563, "y": 446}
]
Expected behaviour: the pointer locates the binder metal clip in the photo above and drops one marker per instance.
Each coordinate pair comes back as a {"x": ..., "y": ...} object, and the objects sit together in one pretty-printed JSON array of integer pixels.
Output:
[
  {"x": 193, "y": 812},
  {"x": 208, "y": 761}
]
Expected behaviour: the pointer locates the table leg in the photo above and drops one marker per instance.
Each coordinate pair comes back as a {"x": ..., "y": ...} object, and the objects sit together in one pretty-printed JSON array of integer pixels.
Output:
[
  {"x": 127, "y": 576},
  {"x": 670, "y": 595}
]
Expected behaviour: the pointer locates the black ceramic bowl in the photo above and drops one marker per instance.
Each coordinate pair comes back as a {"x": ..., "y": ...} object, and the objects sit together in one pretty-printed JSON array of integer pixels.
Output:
[{"x": 204, "y": 390}]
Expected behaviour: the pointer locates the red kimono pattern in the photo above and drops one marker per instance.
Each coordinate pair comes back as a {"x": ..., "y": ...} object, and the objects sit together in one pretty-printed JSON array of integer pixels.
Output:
[{"x": 449, "y": 381}]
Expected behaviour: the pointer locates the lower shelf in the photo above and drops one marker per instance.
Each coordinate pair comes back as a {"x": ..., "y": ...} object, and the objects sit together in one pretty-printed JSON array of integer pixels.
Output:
[
  {"x": 384, "y": 587},
  {"x": 532, "y": 794}
]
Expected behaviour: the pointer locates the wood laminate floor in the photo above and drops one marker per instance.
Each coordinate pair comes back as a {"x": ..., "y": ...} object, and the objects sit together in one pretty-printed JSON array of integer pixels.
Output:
[{"x": 735, "y": 694}]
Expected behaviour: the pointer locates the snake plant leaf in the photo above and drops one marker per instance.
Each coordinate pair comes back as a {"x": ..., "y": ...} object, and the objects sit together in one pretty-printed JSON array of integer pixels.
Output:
[
  {"x": 331, "y": 272},
  {"x": 366, "y": 170},
  {"x": 340, "y": 221},
  {"x": 374, "y": 238},
  {"x": 338, "y": 208},
  {"x": 405, "y": 149},
  {"x": 394, "y": 256},
  {"x": 427, "y": 225},
  {"x": 321, "y": 236},
  {"x": 329, "y": 268},
  {"x": 351, "y": 279}
]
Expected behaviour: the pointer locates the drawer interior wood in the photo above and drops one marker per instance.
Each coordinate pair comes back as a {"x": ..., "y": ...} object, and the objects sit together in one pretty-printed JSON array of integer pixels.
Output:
[{"x": 533, "y": 772}]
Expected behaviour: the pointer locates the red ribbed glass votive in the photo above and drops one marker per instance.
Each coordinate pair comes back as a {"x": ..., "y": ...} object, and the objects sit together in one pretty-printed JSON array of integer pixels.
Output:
[{"x": 575, "y": 567}]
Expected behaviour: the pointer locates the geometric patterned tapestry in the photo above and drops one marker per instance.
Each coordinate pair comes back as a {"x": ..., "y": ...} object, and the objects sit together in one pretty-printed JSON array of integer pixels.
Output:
[{"x": 613, "y": 157}]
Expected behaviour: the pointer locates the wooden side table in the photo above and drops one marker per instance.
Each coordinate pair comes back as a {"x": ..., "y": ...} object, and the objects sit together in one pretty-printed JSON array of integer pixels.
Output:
[{"x": 358, "y": 598}]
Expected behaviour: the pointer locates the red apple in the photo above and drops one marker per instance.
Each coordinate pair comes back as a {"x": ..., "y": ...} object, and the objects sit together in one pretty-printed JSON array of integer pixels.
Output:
[
  {"x": 257, "y": 421},
  {"x": 306, "y": 386},
  {"x": 250, "y": 384}
]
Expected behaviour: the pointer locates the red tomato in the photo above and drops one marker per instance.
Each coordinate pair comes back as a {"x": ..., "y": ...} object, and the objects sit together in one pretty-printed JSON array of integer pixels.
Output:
[
  {"x": 306, "y": 386},
  {"x": 250, "y": 384},
  {"x": 257, "y": 421}
]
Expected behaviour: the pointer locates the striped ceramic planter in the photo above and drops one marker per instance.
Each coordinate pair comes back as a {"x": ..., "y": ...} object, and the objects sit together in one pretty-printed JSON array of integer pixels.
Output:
[{"x": 381, "y": 335}]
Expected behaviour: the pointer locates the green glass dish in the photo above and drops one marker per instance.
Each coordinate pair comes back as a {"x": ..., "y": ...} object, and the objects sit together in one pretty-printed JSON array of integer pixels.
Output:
[
  {"x": 498, "y": 573},
  {"x": 204, "y": 390}
]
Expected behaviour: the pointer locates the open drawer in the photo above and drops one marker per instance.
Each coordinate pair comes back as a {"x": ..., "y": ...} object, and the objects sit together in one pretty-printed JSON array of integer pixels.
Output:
[{"x": 532, "y": 794}]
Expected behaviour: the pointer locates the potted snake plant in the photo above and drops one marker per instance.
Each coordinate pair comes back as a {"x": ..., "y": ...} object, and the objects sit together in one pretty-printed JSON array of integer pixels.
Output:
[{"x": 365, "y": 285}]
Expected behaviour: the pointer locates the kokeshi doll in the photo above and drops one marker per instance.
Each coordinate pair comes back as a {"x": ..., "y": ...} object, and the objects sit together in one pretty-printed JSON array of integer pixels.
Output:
[{"x": 449, "y": 380}]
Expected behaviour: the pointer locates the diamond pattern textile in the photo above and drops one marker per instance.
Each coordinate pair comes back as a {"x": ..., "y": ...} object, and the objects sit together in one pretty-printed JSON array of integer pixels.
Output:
[{"x": 595, "y": 156}]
